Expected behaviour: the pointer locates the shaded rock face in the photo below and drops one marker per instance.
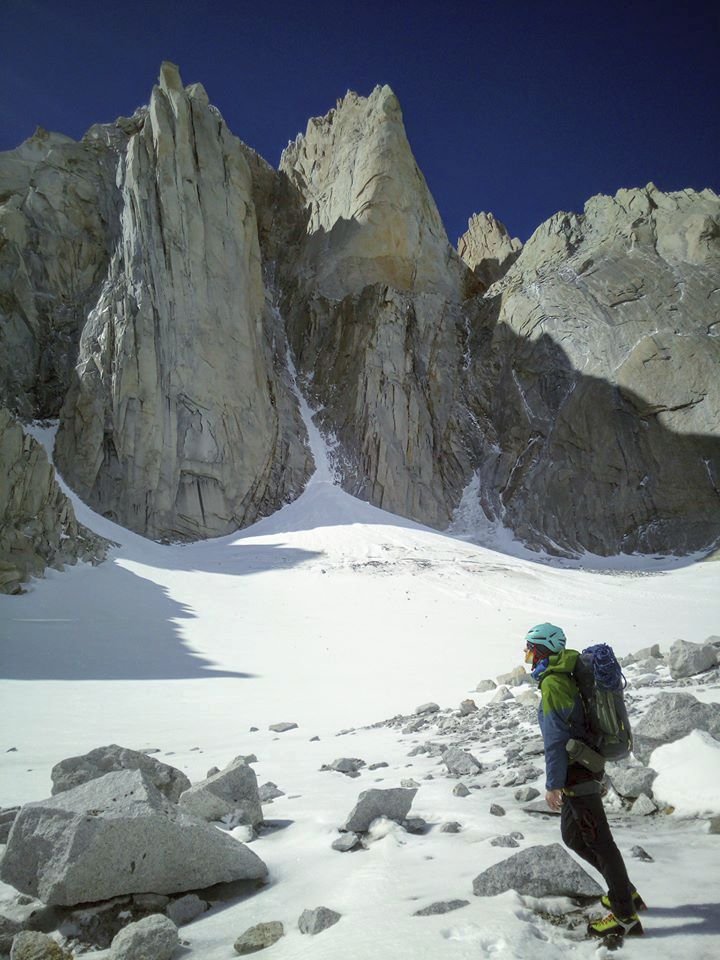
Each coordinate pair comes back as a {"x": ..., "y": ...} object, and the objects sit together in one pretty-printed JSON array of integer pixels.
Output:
[
  {"x": 597, "y": 379},
  {"x": 37, "y": 522},
  {"x": 172, "y": 423},
  {"x": 58, "y": 215}
]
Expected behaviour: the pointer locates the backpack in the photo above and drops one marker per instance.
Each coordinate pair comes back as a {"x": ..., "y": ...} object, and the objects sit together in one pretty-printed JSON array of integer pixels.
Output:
[{"x": 601, "y": 683}]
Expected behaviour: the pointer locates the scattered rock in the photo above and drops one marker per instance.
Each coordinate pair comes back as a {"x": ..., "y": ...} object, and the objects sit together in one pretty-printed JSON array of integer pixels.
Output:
[
  {"x": 409, "y": 783},
  {"x": 441, "y": 906},
  {"x": 714, "y": 825},
  {"x": 346, "y": 842},
  {"x": 485, "y": 686},
  {"x": 32, "y": 945},
  {"x": 269, "y": 791},
  {"x": 460, "y": 762},
  {"x": 417, "y": 751},
  {"x": 643, "y": 806},
  {"x": 346, "y": 765},
  {"x": 211, "y": 772},
  {"x": 496, "y": 810},
  {"x": 371, "y": 804},
  {"x": 232, "y": 791},
  {"x": 467, "y": 707},
  {"x": 646, "y": 652},
  {"x": 74, "y": 771},
  {"x": 526, "y": 794},
  {"x": 506, "y": 840},
  {"x": 378, "y": 766},
  {"x": 533, "y": 748},
  {"x": 502, "y": 694},
  {"x": 460, "y": 790},
  {"x": 688, "y": 659},
  {"x": 425, "y": 708},
  {"x": 641, "y": 854},
  {"x": 451, "y": 826},
  {"x": 152, "y": 938},
  {"x": 282, "y": 727},
  {"x": 259, "y": 937},
  {"x": 317, "y": 920},
  {"x": 529, "y": 698},
  {"x": 539, "y": 871},
  {"x": 515, "y": 678},
  {"x": 186, "y": 909},
  {"x": 415, "y": 825},
  {"x": 414, "y": 726},
  {"x": 118, "y": 835}
]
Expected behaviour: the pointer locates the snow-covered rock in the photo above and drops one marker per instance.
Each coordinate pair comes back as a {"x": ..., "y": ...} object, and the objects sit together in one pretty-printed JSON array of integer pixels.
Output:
[
  {"x": 539, "y": 871},
  {"x": 688, "y": 776},
  {"x": 74, "y": 771},
  {"x": 233, "y": 791},
  {"x": 152, "y": 938},
  {"x": 116, "y": 835},
  {"x": 393, "y": 804}
]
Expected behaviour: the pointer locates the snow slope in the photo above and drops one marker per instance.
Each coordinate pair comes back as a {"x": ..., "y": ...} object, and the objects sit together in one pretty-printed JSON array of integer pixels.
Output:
[{"x": 334, "y": 614}]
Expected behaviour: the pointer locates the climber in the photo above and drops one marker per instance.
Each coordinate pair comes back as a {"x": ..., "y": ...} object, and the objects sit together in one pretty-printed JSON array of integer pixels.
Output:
[{"x": 571, "y": 788}]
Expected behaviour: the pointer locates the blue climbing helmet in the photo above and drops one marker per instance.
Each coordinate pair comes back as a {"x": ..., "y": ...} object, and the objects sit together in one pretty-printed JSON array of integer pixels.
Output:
[{"x": 546, "y": 635}]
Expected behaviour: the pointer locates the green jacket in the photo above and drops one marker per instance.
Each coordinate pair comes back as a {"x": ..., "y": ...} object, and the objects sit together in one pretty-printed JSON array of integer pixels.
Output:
[{"x": 561, "y": 716}]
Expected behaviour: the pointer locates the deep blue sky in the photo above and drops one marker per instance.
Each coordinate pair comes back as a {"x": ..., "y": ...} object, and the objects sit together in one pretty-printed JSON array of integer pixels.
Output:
[{"x": 520, "y": 107}]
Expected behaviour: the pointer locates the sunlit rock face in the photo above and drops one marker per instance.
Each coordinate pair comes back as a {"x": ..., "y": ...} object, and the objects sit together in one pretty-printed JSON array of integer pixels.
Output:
[
  {"x": 171, "y": 425},
  {"x": 604, "y": 415},
  {"x": 156, "y": 276},
  {"x": 487, "y": 248},
  {"x": 373, "y": 305}
]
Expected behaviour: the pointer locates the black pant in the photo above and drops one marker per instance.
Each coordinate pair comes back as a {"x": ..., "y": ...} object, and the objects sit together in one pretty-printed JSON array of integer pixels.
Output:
[{"x": 585, "y": 830}]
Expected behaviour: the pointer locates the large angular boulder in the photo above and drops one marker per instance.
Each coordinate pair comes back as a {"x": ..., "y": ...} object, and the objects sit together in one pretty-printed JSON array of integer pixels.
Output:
[
  {"x": 74, "y": 771},
  {"x": 671, "y": 717},
  {"x": 541, "y": 871},
  {"x": 118, "y": 835},
  {"x": 394, "y": 804},
  {"x": 233, "y": 790},
  {"x": 688, "y": 659}
]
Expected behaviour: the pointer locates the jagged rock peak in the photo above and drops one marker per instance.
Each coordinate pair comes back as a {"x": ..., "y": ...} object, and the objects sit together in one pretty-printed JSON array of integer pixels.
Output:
[
  {"x": 372, "y": 218},
  {"x": 487, "y": 247}
]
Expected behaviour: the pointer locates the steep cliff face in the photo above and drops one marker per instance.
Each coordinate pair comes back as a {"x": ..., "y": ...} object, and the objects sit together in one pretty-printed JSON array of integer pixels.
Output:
[
  {"x": 57, "y": 219},
  {"x": 604, "y": 411},
  {"x": 372, "y": 301},
  {"x": 171, "y": 425},
  {"x": 37, "y": 523},
  {"x": 153, "y": 275}
]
